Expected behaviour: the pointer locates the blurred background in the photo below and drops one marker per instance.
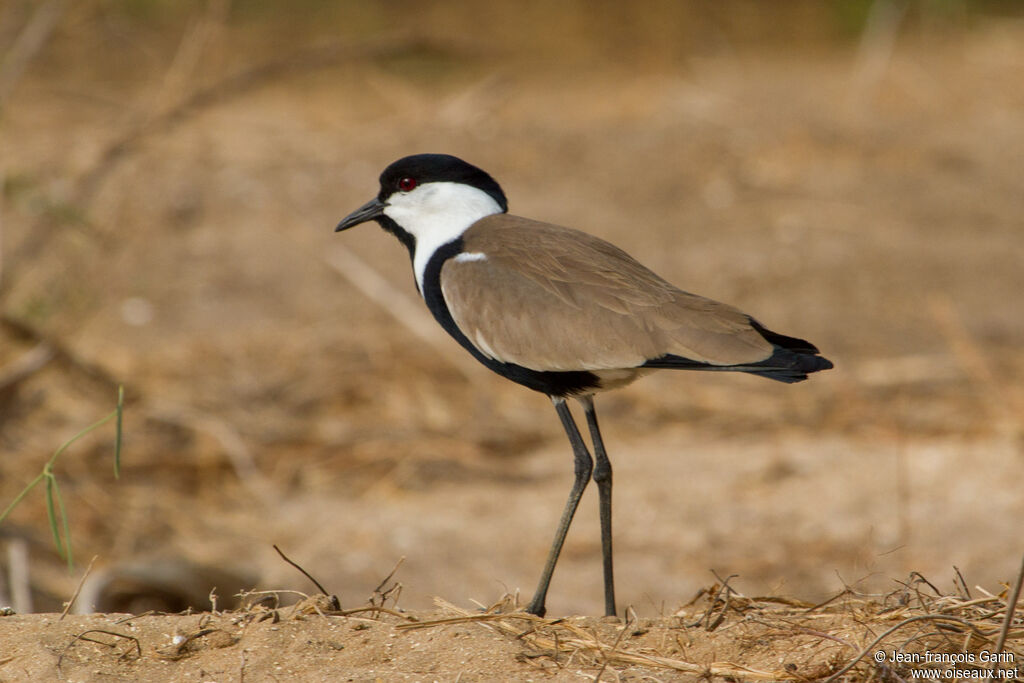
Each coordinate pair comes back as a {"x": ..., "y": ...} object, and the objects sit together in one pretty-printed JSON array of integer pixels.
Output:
[{"x": 171, "y": 173}]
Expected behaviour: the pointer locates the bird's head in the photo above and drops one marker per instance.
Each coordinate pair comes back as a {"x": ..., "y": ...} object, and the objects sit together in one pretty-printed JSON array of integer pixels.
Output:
[{"x": 429, "y": 197}]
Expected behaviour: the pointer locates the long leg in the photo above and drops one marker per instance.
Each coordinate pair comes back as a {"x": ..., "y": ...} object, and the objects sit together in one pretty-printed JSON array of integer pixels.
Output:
[
  {"x": 584, "y": 465},
  {"x": 603, "y": 479}
]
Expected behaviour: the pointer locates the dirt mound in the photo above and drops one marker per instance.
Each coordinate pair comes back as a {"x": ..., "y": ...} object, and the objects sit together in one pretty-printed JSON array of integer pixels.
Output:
[{"x": 721, "y": 635}]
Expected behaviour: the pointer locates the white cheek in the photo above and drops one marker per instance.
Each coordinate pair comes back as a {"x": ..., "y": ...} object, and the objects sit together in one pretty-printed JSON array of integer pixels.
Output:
[
  {"x": 436, "y": 214},
  {"x": 410, "y": 209}
]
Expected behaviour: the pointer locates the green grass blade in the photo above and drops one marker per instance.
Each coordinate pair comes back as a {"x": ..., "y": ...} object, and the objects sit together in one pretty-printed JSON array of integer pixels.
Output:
[
  {"x": 67, "y": 527},
  {"x": 117, "y": 434},
  {"x": 51, "y": 514},
  {"x": 24, "y": 492},
  {"x": 79, "y": 435},
  {"x": 53, "y": 510}
]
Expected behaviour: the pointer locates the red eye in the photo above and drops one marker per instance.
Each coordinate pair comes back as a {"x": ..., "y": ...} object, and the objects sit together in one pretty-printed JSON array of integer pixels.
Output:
[{"x": 407, "y": 184}]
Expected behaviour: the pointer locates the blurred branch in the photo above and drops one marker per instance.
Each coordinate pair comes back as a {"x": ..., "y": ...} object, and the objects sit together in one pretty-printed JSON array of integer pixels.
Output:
[
  {"x": 235, "y": 85},
  {"x": 58, "y": 352},
  {"x": 19, "y": 575},
  {"x": 28, "y": 44},
  {"x": 874, "y": 52},
  {"x": 165, "y": 116},
  {"x": 3, "y": 186},
  {"x": 310, "y": 58},
  {"x": 195, "y": 40},
  {"x": 25, "y": 366},
  {"x": 238, "y": 453},
  {"x": 408, "y": 313},
  {"x": 197, "y": 37},
  {"x": 173, "y": 105},
  {"x": 47, "y": 350}
]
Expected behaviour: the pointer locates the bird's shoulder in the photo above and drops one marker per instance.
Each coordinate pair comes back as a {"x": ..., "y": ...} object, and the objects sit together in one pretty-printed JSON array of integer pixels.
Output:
[
  {"x": 577, "y": 269},
  {"x": 522, "y": 289},
  {"x": 563, "y": 261}
]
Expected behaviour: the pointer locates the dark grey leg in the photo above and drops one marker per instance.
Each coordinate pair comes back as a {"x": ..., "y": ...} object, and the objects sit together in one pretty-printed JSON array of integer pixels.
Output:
[
  {"x": 584, "y": 465},
  {"x": 603, "y": 479}
]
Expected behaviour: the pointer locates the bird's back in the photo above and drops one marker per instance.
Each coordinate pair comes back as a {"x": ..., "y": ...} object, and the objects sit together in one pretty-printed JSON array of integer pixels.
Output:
[{"x": 552, "y": 298}]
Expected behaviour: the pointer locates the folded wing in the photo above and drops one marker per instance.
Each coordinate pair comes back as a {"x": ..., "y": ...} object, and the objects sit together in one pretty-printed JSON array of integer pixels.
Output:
[{"x": 550, "y": 298}]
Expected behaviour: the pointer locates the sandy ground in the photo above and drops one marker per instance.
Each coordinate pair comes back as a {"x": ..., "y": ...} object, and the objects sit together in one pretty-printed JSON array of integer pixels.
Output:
[
  {"x": 721, "y": 634},
  {"x": 230, "y": 647},
  {"x": 285, "y": 386}
]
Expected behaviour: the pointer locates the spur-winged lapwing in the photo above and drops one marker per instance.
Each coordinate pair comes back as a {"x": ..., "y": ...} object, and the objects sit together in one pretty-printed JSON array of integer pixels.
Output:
[{"x": 559, "y": 311}]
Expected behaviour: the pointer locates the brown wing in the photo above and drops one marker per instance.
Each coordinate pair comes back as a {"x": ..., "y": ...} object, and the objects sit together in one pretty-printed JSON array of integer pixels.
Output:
[{"x": 551, "y": 298}]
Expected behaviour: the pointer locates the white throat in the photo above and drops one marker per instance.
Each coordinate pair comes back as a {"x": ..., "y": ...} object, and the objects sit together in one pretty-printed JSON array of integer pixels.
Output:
[{"x": 436, "y": 214}]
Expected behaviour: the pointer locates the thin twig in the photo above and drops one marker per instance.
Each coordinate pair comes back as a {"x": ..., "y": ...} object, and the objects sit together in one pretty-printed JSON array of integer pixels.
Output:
[
  {"x": 905, "y": 622},
  {"x": 202, "y": 32},
  {"x": 723, "y": 588},
  {"x": 806, "y": 631},
  {"x": 967, "y": 603},
  {"x": 29, "y": 42},
  {"x": 615, "y": 646},
  {"x": 25, "y": 365},
  {"x": 412, "y": 315},
  {"x": 81, "y": 636},
  {"x": 147, "y": 613},
  {"x": 829, "y": 601},
  {"x": 585, "y": 642},
  {"x": 333, "y": 598},
  {"x": 469, "y": 618},
  {"x": 1011, "y": 606},
  {"x": 234, "y": 446},
  {"x": 961, "y": 585},
  {"x": 277, "y": 592},
  {"x": 916, "y": 578},
  {"x": 380, "y": 586},
  {"x": 376, "y": 610},
  {"x": 78, "y": 589},
  {"x": 61, "y": 353}
]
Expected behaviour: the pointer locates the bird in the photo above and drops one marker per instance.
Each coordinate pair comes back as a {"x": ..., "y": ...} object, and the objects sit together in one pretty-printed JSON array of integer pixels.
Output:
[{"x": 561, "y": 312}]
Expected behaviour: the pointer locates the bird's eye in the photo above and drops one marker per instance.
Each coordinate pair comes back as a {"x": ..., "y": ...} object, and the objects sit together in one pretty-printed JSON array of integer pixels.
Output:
[{"x": 407, "y": 184}]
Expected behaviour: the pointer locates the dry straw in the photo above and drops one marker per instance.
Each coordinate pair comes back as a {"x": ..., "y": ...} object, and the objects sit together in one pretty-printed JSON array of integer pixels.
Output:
[{"x": 832, "y": 640}]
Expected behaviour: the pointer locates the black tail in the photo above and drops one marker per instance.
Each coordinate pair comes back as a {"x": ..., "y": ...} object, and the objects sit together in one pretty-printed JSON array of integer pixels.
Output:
[
  {"x": 786, "y": 366},
  {"x": 792, "y": 360}
]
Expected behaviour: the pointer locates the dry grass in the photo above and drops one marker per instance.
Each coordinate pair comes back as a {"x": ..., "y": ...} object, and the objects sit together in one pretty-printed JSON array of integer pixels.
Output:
[
  {"x": 720, "y": 635},
  {"x": 804, "y": 641}
]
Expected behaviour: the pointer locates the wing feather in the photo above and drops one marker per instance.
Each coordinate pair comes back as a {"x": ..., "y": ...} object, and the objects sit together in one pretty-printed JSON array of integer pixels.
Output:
[{"x": 552, "y": 298}]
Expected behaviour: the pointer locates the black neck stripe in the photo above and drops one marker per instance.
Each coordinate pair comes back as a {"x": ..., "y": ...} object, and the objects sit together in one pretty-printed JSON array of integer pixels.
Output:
[{"x": 404, "y": 236}]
